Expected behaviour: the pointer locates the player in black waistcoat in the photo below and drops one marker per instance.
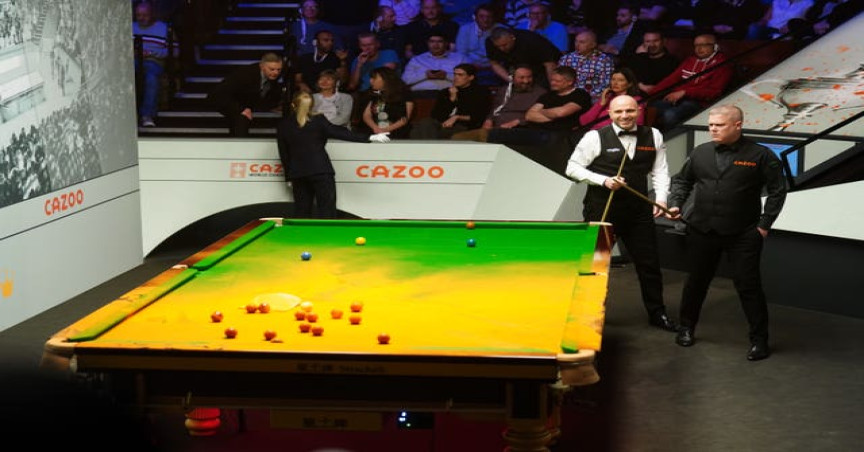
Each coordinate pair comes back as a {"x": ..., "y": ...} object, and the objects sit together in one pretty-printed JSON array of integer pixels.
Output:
[
  {"x": 727, "y": 177},
  {"x": 596, "y": 160},
  {"x": 301, "y": 137}
]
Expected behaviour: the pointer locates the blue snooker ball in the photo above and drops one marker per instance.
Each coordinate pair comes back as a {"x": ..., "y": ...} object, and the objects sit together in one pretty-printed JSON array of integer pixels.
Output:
[
  {"x": 472, "y": 243},
  {"x": 306, "y": 256}
]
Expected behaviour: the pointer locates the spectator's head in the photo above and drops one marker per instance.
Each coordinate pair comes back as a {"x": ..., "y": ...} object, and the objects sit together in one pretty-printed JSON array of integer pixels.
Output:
[
  {"x": 484, "y": 16},
  {"x": 301, "y": 105},
  {"x": 626, "y": 15},
  {"x": 385, "y": 79},
  {"x": 431, "y": 10},
  {"x": 586, "y": 42},
  {"x": 705, "y": 46},
  {"x": 368, "y": 44},
  {"x": 523, "y": 78},
  {"x": 463, "y": 75},
  {"x": 654, "y": 43},
  {"x": 324, "y": 41},
  {"x": 624, "y": 110},
  {"x": 623, "y": 81},
  {"x": 503, "y": 39},
  {"x": 309, "y": 10},
  {"x": 724, "y": 124},
  {"x": 437, "y": 44},
  {"x": 271, "y": 66},
  {"x": 386, "y": 18},
  {"x": 539, "y": 13},
  {"x": 562, "y": 79},
  {"x": 328, "y": 81},
  {"x": 144, "y": 14}
]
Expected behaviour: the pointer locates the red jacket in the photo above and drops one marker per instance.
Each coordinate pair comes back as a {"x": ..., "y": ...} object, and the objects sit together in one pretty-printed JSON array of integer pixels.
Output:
[{"x": 704, "y": 88}]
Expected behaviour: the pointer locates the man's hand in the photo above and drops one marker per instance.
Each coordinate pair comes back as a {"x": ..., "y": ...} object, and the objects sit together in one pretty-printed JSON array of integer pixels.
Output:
[
  {"x": 658, "y": 211},
  {"x": 510, "y": 124},
  {"x": 454, "y": 93},
  {"x": 487, "y": 124},
  {"x": 614, "y": 183},
  {"x": 674, "y": 213},
  {"x": 380, "y": 138},
  {"x": 674, "y": 96},
  {"x": 450, "y": 122},
  {"x": 247, "y": 112},
  {"x": 362, "y": 59}
]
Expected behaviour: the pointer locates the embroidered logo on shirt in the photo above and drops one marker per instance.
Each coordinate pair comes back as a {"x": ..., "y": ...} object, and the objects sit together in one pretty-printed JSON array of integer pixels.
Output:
[
  {"x": 646, "y": 148},
  {"x": 744, "y": 163}
]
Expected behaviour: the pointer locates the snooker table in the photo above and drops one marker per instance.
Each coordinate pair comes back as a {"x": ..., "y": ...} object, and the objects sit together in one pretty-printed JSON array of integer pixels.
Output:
[{"x": 491, "y": 317}]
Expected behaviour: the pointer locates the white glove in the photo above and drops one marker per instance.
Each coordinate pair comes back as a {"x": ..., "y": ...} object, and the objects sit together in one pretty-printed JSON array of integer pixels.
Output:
[{"x": 379, "y": 138}]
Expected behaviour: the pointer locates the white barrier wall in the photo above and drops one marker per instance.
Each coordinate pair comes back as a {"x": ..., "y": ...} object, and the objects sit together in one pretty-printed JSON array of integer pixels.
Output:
[{"x": 183, "y": 181}]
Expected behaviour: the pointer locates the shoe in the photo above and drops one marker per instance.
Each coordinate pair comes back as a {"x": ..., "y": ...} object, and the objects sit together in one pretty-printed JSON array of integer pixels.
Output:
[
  {"x": 685, "y": 337},
  {"x": 662, "y": 321},
  {"x": 758, "y": 351},
  {"x": 147, "y": 121}
]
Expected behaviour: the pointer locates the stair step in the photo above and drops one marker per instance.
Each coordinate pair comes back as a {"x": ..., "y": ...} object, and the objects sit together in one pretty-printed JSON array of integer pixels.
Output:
[
  {"x": 237, "y": 52},
  {"x": 254, "y": 19},
  {"x": 226, "y": 31}
]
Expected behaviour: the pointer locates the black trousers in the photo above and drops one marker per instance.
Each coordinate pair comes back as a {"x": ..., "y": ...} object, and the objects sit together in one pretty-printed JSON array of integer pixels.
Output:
[
  {"x": 238, "y": 125},
  {"x": 744, "y": 251},
  {"x": 634, "y": 225},
  {"x": 318, "y": 190}
]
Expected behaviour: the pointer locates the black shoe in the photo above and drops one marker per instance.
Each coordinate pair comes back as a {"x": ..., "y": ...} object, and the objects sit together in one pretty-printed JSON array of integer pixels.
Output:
[
  {"x": 685, "y": 337},
  {"x": 758, "y": 351},
  {"x": 662, "y": 321}
]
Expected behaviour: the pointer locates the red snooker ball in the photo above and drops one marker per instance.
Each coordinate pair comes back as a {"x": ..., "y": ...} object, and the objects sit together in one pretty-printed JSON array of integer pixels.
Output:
[
  {"x": 216, "y": 317},
  {"x": 317, "y": 330},
  {"x": 357, "y": 306},
  {"x": 263, "y": 308},
  {"x": 269, "y": 335},
  {"x": 304, "y": 327},
  {"x": 251, "y": 308},
  {"x": 299, "y": 315},
  {"x": 311, "y": 317},
  {"x": 383, "y": 338},
  {"x": 231, "y": 332},
  {"x": 355, "y": 319},
  {"x": 336, "y": 313}
]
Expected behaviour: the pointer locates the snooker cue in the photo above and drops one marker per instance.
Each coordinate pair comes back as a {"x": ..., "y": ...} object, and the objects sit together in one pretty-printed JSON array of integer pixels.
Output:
[
  {"x": 651, "y": 201},
  {"x": 612, "y": 192}
]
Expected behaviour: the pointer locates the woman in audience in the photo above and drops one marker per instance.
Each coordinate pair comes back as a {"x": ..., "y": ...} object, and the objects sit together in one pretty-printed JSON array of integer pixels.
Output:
[
  {"x": 329, "y": 101},
  {"x": 389, "y": 108},
  {"x": 623, "y": 81}
]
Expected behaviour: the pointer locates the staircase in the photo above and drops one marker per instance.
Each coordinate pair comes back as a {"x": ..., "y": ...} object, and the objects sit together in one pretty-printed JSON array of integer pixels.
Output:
[{"x": 249, "y": 29}]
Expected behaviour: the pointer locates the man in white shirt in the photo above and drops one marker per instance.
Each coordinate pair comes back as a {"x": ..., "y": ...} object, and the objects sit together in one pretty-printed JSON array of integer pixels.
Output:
[{"x": 432, "y": 70}]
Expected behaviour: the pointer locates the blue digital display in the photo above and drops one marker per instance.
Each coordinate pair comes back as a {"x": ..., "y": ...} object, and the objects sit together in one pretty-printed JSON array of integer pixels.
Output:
[{"x": 792, "y": 157}]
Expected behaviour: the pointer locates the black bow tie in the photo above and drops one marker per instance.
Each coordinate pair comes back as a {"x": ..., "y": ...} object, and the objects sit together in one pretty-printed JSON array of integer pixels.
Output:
[{"x": 621, "y": 133}]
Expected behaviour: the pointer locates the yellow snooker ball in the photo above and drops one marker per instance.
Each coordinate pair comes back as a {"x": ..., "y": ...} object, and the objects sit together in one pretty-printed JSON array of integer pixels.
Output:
[{"x": 360, "y": 241}]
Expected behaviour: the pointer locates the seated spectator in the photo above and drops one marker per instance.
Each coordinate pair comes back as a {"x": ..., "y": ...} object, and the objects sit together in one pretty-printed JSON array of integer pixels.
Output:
[
  {"x": 390, "y": 106},
  {"x": 432, "y": 71},
  {"x": 593, "y": 67},
  {"x": 371, "y": 57},
  {"x": 328, "y": 101},
  {"x": 389, "y": 33},
  {"x": 431, "y": 20},
  {"x": 322, "y": 58},
  {"x": 154, "y": 51},
  {"x": 727, "y": 19},
  {"x": 471, "y": 43},
  {"x": 627, "y": 35},
  {"x": 540, "y": 21},
  {"x": 306, "y": 28},
  {"x": 623, "y": 82},
  {"x": 460, "y": 107},
  {"x": 405, "y": 10},
  {"x": 576, "y": 17},
  {"x": 509, "y": 106},
  {"x": 508, "y": 48},
  {"x": 516, "y": 11},
  {"x": 652, "y": 61},
  {"x": 687, "y": 90},
  {"x": 775, "y": 22},
  {"x": 250, "y": 88}
]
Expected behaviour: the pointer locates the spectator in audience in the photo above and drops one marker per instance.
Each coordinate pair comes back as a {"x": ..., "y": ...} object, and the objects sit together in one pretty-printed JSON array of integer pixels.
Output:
[
  {"x": 622, "y": 83},
  {"x": 250, "y": 88},
  {"x": 824, "y": 16},
  {"x": 627, "y": 35},
  {"x": 471, "y": 43},
  {"x": 576, "y": 17},
  {"x": 336, "y": 106},
  {"x": 516, "y": 11},
  {"x": 508, "y": 48},
  {"x": 726, "y": 19},
  {"x": 540, "y": 21},
  {"x": 560, "y": 108},
  {"x": 458, "y": 108},
  {"x": 323, "y": 57},
  {"x": 432, "y": 71},
  {"x": 301, "y": 137},
  {"x": 691, "y": 88},
  {"x": 154, "y": 51},
  {"x": 389, "y": 33},
  {"x": 305, "y": 29},
  {"x": 405, "y": 10},
  {"x": 652, "y": 62},
  {"x": 461, "y": 11},
  {"x": 593, "y": 67},
  {"x": 431, "y": 20},
  {"x": 390, "y": 106},
  {"x": 348, "y": 19},
  {"x": 509, "y": 106},
  {"x": 775, "y": 22},
  {"x": 371, "y": 57}
]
